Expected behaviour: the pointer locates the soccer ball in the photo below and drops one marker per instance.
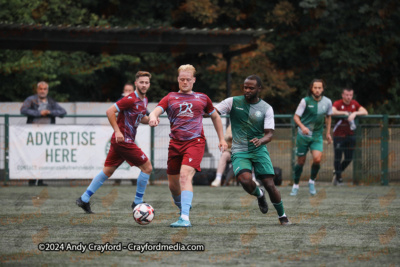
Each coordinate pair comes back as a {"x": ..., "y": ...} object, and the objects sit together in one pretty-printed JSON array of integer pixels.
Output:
[{"x": 143, "y": 213}]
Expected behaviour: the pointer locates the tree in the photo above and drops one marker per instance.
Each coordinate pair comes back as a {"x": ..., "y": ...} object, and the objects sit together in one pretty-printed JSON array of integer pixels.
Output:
[{"x": 353, "y": 44}]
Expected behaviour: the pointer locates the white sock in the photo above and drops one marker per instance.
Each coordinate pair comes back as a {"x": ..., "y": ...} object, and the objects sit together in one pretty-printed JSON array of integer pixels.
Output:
[
  {"x": 185, "y": 217},
  {"x": 284, "y": 215},
  {"x": 296, "y": 186},
  {"x": 218, "y": 177},
  {"x": 311, "y": 181},
  {"x": 262, "y": 193}
]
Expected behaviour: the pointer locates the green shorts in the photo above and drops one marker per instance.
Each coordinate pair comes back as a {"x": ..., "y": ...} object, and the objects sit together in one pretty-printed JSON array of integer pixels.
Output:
[
  {"x": 259, "y": 160},
  {"x": 303, "y": 143}
]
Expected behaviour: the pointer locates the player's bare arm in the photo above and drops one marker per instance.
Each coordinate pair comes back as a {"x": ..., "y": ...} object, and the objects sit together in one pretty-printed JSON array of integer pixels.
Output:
[
  {"x": 328, "y": 121},
  {"x": 216, "y": 119},
  {"x": 154, "y": 117},
  {"x": 268, "y": 133},
  {"x": 145, "y": 120},
  {"x": 339, "y": 112},
  {"x": 303, "y": 128},
  {"x": 361, "y": 111},
  {"x": 119, "y": 137}
]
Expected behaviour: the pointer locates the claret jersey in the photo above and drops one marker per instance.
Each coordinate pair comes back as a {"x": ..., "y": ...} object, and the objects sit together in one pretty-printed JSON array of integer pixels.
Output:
[
  {"x": 131, "y": 111},
  {"x": 185, "y": 113}
]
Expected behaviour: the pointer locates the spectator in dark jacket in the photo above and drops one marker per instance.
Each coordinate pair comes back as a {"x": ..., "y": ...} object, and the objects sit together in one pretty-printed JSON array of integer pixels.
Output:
[{"x": 41, "y": 109}]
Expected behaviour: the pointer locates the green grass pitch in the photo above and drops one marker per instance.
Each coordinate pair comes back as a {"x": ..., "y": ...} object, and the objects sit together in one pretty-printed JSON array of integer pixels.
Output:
[{"x": 357, "y": 226}]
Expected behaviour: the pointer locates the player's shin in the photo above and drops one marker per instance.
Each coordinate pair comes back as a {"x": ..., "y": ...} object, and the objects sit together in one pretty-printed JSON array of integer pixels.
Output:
[
  {"x": 94, "y": 185},
  {"x": 314, "y": 170},
  {"x": 141, "y": 187},
  {"x": 298, "y": 169},
  {"x": 187, "y": 197},
  {"x": 177, "y": 201},
  {"x": 257, "y": 192},
  {"x": 279, "y": 208}
]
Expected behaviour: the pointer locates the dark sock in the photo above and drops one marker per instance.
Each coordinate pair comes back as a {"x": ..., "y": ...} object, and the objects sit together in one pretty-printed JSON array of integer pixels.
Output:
[
  {"x": 279, "y": 208},
  {"x": 298, "y": 169},
  {"x": 314, "y": 170},
  {"x": 256, "y": 192}
]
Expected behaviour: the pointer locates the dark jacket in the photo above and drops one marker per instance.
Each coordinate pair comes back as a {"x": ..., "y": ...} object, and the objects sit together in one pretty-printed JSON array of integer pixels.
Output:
[{"x": 30, "y": 108}]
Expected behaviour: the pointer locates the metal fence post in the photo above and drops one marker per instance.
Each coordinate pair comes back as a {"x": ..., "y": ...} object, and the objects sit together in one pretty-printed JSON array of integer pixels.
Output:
[
  {"x": 6, "y": 149},
  {"x": 384, "y": 150},
  {"x": 293, "y": 156},
  {"x": 357, "y": 162},
  {"x": 152, "y": 176}
]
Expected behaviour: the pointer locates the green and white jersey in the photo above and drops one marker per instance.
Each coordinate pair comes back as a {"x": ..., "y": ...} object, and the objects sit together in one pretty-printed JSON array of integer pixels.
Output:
[
  {"x": 248, "y": 121},
  {"x": 312, "y": 114}
]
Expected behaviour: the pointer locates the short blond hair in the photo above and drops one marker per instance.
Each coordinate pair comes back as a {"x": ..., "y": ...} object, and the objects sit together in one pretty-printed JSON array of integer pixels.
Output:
[{"x": 187, "y": 67}]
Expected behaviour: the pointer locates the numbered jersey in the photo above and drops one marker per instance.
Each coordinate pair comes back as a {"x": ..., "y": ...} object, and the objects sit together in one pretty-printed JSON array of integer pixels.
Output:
[
  {"x": 185, "y": 114},
  {"x": 131, "y": 111}
]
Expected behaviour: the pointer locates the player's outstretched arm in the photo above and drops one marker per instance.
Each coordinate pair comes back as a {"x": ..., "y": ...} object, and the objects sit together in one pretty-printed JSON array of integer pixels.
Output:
[
  {"x": 119, "y": 137},
  {"x": 154, "y": 117},
  {"x": 216, "y": 119}
]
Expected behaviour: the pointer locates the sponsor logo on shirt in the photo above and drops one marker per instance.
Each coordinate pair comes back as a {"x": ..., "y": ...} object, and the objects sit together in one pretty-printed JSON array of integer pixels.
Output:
[
  {"x": 129, "y": 97},
  {"x": 190, "y": 159},
  {"x": 185, "y": 110},
  {"x": 310, "y": 106},
  {"x": 258, "y": 114},
  {"x": 239, "y": 108}
]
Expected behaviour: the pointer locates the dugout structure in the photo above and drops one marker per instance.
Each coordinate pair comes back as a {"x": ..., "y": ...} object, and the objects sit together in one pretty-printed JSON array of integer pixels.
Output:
[{"x": 131, "y": 40}]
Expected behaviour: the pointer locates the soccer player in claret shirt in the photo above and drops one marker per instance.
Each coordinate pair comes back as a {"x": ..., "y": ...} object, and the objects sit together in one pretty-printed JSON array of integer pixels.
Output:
[
  {"x": 185, "y": 111},
  {"x": 131, "y": 111},
  {"x": 253, "y": 125},
  {"x": 311, "y": 114},
  {"x": 344, "y": 140}
]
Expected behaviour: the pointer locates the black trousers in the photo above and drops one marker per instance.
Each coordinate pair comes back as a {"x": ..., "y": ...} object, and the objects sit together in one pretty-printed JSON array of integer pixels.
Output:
[{"x": 343, "y": 146}]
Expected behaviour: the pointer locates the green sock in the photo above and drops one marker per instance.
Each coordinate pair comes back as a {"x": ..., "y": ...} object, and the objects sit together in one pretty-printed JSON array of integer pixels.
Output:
[
  {"x": 279, "y": 208},
  {"x": 314, "y": 171},
  {"x": 256, "y": 192},
  {"x": 298, "y": 169}
]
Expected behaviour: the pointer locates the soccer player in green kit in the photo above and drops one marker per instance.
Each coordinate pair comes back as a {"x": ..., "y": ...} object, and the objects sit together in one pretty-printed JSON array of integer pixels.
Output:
[
  {"x": 311, "y": 114},
  {"x": 253, "y": 125}
]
